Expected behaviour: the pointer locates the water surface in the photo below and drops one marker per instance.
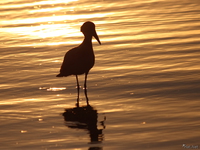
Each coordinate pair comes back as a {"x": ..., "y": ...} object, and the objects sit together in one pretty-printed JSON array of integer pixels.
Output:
[{"x": 144, "y": 88}]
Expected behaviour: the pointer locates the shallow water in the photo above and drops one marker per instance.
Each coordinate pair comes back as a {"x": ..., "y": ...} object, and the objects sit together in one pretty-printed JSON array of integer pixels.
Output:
[{"x": 144, "y": 88}]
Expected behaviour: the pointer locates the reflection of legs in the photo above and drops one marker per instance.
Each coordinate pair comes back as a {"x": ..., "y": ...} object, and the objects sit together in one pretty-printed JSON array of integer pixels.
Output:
[
  {"x": 85, "y": 88},
  {"x": 78, "y": 88}
]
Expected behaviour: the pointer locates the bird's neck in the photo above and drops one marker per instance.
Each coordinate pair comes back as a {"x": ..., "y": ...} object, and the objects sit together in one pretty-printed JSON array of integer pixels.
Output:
[{"x": 87, "y": 41}]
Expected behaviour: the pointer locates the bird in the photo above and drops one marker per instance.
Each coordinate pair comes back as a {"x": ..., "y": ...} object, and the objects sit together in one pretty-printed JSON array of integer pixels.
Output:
[{"x": 79, "y": 60}]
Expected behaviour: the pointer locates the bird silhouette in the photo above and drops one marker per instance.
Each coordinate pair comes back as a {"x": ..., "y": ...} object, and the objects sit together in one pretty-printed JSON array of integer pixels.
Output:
[{"x": 81, "y": 59}]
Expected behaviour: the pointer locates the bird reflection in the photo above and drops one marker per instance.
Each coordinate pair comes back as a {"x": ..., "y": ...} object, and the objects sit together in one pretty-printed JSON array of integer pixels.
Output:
[{"x": 86, "y": 118}]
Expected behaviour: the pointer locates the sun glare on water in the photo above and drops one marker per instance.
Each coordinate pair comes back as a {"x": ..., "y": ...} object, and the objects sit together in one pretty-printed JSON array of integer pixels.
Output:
[{"x": 44, "y": 22}]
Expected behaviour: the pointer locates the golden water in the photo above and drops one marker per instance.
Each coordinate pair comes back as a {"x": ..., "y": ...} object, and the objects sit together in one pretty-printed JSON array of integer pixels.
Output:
[{"x": 145, "y": 82}]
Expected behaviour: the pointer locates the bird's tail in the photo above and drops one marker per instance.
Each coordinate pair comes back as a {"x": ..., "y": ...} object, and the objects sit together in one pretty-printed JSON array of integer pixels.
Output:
[
  {"x": 59, "y": 75},
  {"x": 63, "y": 75}
]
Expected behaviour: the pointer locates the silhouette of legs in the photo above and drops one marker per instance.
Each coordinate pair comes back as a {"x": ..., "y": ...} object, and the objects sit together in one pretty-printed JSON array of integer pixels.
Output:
[
  {"x": 85, "y": 88},
  {"x": 78, "y": 89}
]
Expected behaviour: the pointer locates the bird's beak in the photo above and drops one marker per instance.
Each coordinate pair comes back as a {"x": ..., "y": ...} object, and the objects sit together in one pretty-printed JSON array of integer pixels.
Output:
[{"x": 96, "y": 37}]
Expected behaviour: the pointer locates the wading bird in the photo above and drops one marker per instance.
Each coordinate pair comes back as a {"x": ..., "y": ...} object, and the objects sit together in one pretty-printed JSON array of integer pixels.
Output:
[{"x": 81, "y": 59}]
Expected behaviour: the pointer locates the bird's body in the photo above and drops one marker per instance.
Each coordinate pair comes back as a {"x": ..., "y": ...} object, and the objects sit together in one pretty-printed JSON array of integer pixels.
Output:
[
  {"x": 81, "y": 59},
  {"x": 78, "y": 60}
]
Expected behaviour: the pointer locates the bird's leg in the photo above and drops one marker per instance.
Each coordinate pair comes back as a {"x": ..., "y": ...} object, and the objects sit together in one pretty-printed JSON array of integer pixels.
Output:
[
  {"x": 78, "y": 89},
  {"x": 85, "y": 88}
]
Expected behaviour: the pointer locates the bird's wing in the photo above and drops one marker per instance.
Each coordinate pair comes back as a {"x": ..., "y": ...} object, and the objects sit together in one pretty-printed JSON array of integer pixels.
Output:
[
  {"x": 70, "y": 61},
  {"x": 70, "y": 56}
]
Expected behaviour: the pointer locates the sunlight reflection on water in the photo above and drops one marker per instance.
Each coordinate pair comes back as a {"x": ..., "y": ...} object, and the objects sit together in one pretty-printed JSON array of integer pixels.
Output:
[{"x": 144, "y": 87}]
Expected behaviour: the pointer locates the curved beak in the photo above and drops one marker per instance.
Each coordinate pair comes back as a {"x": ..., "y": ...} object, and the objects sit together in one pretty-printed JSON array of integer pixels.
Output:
[{"x": 96, "y": 37}]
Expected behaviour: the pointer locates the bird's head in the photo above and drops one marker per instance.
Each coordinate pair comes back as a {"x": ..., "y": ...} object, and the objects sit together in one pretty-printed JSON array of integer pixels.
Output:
[{"x": 88, "y": 29}]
